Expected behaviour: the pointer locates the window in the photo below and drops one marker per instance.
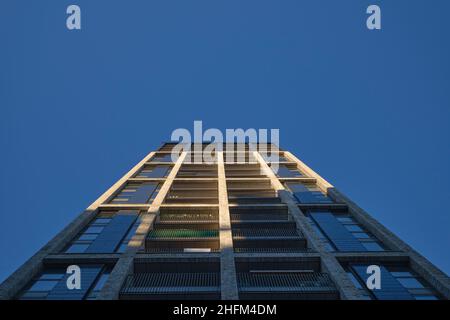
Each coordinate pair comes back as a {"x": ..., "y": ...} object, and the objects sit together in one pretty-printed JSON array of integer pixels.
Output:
[
  {"x": 51, "y": 284},
  {"x": 328, "y": 245},
  {"x": 403, "y": 283},
  {"x": 124, "y": 244},
  {"x": 113, "y": 230},
  {"x": 44, "y": 284},
  {"x": 358, "y": 285},
  {"x": 274, "y": 157},
  {"x": 158, "y": 171},
  {"x": 353, "y": 228},
  {"x": 286, "y": 171},
  {"x": 410, "y": 283},
  {"x": 137, "y": 192},
  {"x": 91, "y": 233},
  {"x": 367, "y": 240},
  {"x": 307, "y": 193},
  {"x": 77, "y": 248},
  {"x": 340, "y": 232},
  {"x": 162, "y": 157},
  {"x": 372, "y": 246},
  {"x": 99, "y": 284}
]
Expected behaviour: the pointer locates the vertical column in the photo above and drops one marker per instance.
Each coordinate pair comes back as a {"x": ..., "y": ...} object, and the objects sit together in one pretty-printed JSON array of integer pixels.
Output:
[
  {"x": 328, "y": 261},
  {"x": 227, "y": 266},
  {"x": 124, "y": 265}
]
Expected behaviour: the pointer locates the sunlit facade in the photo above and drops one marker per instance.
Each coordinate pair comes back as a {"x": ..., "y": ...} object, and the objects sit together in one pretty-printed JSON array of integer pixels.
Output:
[{"x": 253, "y": 225}]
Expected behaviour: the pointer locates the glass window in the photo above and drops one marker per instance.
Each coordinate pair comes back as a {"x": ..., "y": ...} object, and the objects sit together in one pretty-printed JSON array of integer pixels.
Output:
[
  {"x": 372, "y": 246},
  {"x": 122, "y": 248},
  {"x": 402, "y": 274},
  {"x": 87, "y": 237},
  {"x": 77, "y": 248},
  {"x": 98, "y": 285},
  {"x": 43, "y": 285},
  {"x": 38, "y": 295},
  {"x": 353, "y": 228},
  {"x": 101, "y": 282},
  {"x": 410, "y": 283},
  {"x": 93, "y": 229},
  {"x": 345, "y": 219},
  {"x": 361, "y": 235},
  {"x": 102, "y": 220},
  {"x": 426, "y": 298},
  {"x": 51, "y": 276},
  {"x": 354, "y": 280}
]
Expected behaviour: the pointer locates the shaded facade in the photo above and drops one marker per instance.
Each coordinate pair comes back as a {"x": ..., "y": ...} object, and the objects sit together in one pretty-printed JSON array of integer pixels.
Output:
[{"x": 247, "y": 225}]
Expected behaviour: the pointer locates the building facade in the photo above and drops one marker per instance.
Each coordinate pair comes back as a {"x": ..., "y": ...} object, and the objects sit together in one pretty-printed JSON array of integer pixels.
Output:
[{"x": 246, "y": 225}]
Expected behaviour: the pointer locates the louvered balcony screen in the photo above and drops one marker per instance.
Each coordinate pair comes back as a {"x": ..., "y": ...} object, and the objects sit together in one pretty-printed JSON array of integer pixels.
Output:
[
  {"x": 262, "y": 217},
  {"x": 271, "y": 250},
  {"x": 295, "y": 281},
  {"x": 142, "y": 283},
  {"x": 177, "y": 233},
  {"x": 264, "y": 233},
  {"x": 178, "y": 250}
]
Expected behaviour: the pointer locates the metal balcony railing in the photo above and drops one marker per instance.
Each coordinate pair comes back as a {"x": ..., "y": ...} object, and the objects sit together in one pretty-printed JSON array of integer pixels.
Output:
[
  {"x": 188, "y": 217},
  {"x": 154, "y": 283},
  {"x": 299, "y": 282},
  {"x": 259, "y": 217},
  {"x": 251, "y": 200},
  {"x": 182, "y": 233},
  {"x": 271, "y": 250},
  {"x": 272, "y": 232},
  {"x": 181, "y": 250}
]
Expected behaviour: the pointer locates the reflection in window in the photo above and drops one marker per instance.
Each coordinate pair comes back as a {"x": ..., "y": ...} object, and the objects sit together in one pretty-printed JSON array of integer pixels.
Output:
[
  {"x": 367, "y": 240},
  {"x": 42, "y": 286},
  {"x": 401, "y": 277}
]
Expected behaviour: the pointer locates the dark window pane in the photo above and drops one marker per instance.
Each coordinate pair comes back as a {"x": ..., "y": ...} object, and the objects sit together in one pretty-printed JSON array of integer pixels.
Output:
[
  {"x": 122, "y": 248},
  {"x": 402, "y": 274},
  {"x": 102, "y": 220},
  {"x": 344, "y": 219},
  {"x": 353, "y": 228},
  {"x": 51, "y": 276},
  {"x": 426, "y": 298},
  {"x": 87, "y": 237},
  {"x": 94, "y": 230},
  {"x": 410, "y": 283},
  {"x": 354, "y": 280},
  {"x": 38, "y": 295},
  {"x": 43, "y": 285},
  {"x": 77, "y": 248},
  {"x": 361, "y": 235},
  {"x": 372, "y": 246}
]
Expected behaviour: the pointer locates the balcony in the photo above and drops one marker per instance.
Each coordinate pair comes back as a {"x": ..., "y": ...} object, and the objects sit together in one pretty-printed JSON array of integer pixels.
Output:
[
  {"x": 197, "y": 192},
  {"x": 185, "y": 230},
  {"x": 197, "y": 171},
  {"x": 182, "y": 239},
  {"x": 268, "y": 214},
  {"x": 188, "y": 215},
  {"x": 283, "y": 278},
  {"x": 289, "y": 285},
  {"x": 267, "y": 237},
  {"x": 243, "y": 171},
  {"x": 243, "y": 191},
  {"x": 176, "y": 279}
]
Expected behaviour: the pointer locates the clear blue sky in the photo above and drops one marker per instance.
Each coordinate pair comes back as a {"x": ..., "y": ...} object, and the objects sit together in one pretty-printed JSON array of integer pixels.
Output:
[{"x": 369, "y": 111}]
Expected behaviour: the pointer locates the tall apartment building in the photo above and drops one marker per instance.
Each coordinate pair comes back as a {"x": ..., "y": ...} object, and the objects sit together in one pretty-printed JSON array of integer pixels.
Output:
[{"x": 231, "y": 229}]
